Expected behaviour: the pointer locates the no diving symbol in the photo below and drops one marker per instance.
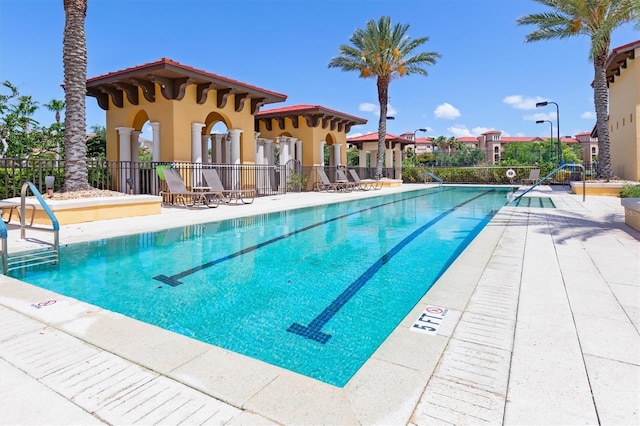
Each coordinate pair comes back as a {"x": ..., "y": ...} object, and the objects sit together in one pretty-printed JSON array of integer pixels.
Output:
[
  {"x": 44, "y": 303},
  {"x": 434, "y": 310}
]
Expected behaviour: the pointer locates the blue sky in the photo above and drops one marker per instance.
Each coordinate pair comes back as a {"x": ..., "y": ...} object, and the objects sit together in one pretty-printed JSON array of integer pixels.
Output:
[{"x": 487, "y": 77}]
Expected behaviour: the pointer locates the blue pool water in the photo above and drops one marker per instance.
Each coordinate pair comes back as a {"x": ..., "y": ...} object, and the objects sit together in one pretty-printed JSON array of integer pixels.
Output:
[{"x": 313, "y": 290}]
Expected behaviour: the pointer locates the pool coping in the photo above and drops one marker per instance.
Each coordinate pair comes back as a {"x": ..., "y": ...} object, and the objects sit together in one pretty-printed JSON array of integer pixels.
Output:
[{"x": 386, "y": 390}]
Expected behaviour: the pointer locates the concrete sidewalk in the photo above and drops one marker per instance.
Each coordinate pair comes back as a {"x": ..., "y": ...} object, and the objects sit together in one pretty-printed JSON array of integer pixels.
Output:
[{"x": 544, "y": 329}]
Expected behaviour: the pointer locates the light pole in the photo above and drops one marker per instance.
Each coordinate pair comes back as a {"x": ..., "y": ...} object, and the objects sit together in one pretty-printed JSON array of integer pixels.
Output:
[
  {"x": 545, "y": 103},
  {"x": 551, "y": 123},
  {"x": 415, "y": 145}
]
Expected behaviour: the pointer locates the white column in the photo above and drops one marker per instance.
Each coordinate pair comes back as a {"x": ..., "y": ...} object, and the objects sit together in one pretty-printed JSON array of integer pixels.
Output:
[
  {"x": 135, "y": 158},
  {"x": 226, "y": 149},
  {"x": 268, "y": 152},
  {"x": 125, "y": 155},
  {"x": 217, "y": 147},
  {"x": 235, "y": 145},
  {"x": 398, "y": 165},
  {"x": 299, "y": 150},
  {"x": 322, "y": 144},
  {"x": 284, "y": 150},
  {"x": 362, "y": 158},
  {"x": 388, "y": 159},
  {"x": 206, "y": 157},
  {"x": 155, "y": 148},
  {"x": 292, "y": 148},
  {"x": 235, "y": 157},
  {"x": 261, "y": 176},
  {"x": 135, "y": 145},
  {"x": 337, "y": 148},
  {"x": 196, "y": 142}
]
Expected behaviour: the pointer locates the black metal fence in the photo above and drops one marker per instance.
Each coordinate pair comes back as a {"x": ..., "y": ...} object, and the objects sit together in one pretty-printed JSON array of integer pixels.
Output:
[{"x": 145, "y": 177}]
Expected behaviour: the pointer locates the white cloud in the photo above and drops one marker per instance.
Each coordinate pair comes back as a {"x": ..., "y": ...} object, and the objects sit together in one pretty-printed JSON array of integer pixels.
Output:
[
  {"x": 523, "y": 102},
  {"x": 446, "y": 111},
  {"x": 540, "y": 116},
  {"x": 588, "y": 115},
  {"x": 368, "y": 107},
  {"x": 459, "y": 130},
  {"x": 354, "y": 134},
  {"x": 477, "y": 131},
  {"x": 375, "y": 109}
]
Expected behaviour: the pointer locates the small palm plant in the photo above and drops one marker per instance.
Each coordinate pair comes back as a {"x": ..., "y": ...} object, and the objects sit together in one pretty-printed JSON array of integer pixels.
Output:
[{"x": 383, "y": 51}]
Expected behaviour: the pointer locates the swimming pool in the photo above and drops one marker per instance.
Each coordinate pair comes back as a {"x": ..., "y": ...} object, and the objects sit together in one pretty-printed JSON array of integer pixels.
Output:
[{"x": 313, "y": 290}]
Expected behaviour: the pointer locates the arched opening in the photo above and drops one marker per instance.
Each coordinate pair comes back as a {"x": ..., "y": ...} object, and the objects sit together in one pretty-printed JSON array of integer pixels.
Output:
[{"x": 216, "y": 142}]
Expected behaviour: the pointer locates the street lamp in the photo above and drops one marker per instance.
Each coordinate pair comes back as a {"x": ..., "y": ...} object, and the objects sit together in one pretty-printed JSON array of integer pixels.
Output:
[
  {"x": 545, "y": 103},
  {"x": 415, "y": 145},
  {"x": 551, "y": 123}
]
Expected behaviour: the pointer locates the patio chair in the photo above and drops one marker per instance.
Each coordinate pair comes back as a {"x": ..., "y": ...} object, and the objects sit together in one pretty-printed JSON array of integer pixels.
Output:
[
  {"x": 342, "y": 178},
  {"x": 326, "y": 185},
  {"x": 179, "y": 194},
  {"x": 365, "y": 184},
  {"x": 534, "y": 176},
  {"x": 213, "y": 181}
]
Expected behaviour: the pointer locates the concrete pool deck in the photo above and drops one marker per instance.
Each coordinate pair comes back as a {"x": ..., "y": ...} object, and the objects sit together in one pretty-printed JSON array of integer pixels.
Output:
[{"x": 543, "y": 328}]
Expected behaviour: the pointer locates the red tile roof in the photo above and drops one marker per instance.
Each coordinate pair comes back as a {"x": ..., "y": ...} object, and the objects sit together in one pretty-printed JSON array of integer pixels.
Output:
[
  {"x": 308, "y": 109},
  {"x": 373, "y": 137},
  {"x": 168, "y": 63}
]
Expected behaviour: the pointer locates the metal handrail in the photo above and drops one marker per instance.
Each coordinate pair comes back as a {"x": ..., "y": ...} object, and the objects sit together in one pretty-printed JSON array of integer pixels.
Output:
[
  {"x": 434, "y": 177},
  {"x": 584, "y": 184},
  {"x": 23, "y": 222},
  {"x": 5, "y": 254}
]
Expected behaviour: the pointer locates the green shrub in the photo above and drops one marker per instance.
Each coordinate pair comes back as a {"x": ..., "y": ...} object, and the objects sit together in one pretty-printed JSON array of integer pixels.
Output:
[{"x": 630, "y": 191}]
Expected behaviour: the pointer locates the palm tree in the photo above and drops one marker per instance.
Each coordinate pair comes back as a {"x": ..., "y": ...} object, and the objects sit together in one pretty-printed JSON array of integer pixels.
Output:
[
  {"x": 596, "y": 19},
  {"x": 55, "y": 105},
  {"x": 74, "y": 58},
  {"x": 381, "y": 51}
]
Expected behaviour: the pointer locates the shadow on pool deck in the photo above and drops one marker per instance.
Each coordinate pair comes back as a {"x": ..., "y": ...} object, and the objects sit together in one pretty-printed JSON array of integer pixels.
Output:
[{"x": 543, "y": 328}]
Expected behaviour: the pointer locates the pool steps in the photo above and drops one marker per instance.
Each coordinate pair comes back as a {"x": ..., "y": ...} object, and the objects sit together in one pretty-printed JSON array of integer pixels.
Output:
[{"x": 39, "y": 257}]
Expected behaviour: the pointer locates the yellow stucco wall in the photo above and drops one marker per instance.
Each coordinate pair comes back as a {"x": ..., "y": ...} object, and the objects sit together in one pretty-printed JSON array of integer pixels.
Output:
[
  {"x": 175, "y": 118},
  {"x": 310, "y": 136},
  {"x": 624, "y": 121}
]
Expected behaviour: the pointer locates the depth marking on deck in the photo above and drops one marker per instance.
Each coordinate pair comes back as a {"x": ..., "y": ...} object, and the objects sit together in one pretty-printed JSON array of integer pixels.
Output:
[
  {"x": 429, "y": 321},
  {"x": 314, "y": 329},
  {"x": 173, "y": 280}
]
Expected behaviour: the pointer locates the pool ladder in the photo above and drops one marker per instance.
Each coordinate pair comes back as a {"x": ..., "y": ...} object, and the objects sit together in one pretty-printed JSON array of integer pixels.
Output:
[{"x": 49, "y": 255}]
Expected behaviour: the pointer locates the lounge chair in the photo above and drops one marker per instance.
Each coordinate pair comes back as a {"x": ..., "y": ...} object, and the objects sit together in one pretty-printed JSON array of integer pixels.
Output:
[
  {"x": 365, "y": 184},
  {"x": 534, "y": 176},
  {"x": 326, "y": 185},
  {"x": 179, "y": 194},
  {"x": 342, "y": 178},
  {"x": 213, "y": 181}
]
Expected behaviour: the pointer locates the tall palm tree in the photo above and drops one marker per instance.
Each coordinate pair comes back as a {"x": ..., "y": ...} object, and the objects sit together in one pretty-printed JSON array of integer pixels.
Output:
[
  {"x": 381, "y": 50},
  {"x": 596, "y": 19},
  {"x": 74, "y": 58},
  {"x": 55, "y": 105}
]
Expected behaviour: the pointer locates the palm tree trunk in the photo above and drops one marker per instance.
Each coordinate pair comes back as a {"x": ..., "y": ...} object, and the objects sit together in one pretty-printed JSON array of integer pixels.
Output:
[
  {"x": 601, "y": 102},
  {"x": 383, "y": 99},
  {"x": 75, "y": 89}
]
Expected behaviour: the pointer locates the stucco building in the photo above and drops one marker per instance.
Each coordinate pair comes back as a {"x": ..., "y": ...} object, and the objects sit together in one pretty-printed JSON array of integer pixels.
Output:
[{"x": 623, "y": 76}]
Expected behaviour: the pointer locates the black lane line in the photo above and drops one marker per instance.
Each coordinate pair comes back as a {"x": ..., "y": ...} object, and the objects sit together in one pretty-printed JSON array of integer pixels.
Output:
[
  {"x": 173, "y": 280},
  {"x": 314, "y": 329}
]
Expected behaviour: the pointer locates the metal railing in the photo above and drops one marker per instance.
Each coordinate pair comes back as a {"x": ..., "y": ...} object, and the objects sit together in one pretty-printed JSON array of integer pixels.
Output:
[
  {"x": 550, "y": 175},
  {"x": 30, "y": 258},
  {"x": 142, "y": 178}
]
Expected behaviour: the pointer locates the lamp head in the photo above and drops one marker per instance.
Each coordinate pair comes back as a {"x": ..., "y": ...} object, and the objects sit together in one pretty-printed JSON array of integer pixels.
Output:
[
  {"x": 541, "y": 104},
  {"x": 539, "y": 121},
  {"x": 423, "y": 130},
  {"x": 390, "y": 118}
]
